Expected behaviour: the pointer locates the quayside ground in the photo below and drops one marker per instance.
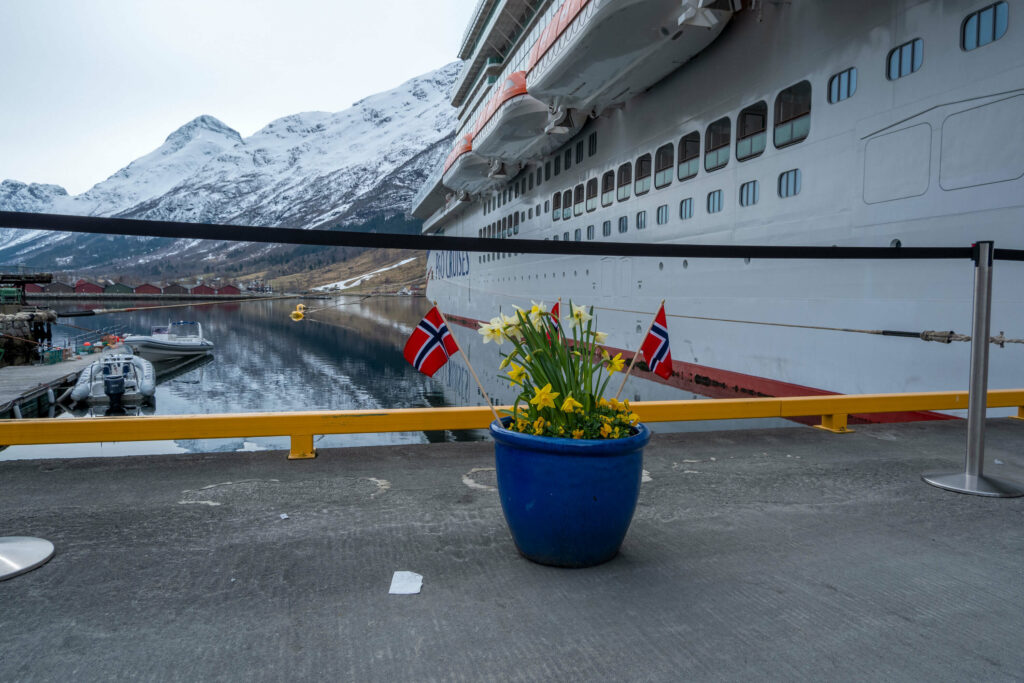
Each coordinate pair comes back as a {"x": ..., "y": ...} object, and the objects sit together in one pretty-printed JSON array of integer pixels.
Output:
[{"x": 783, "y": 554}]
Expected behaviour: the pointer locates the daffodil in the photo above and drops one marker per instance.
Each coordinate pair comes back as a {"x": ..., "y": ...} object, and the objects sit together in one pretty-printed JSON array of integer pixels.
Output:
[
  {"x": 570, "y": 404},
  {"x": 615, "y": 364},
  {"x": 537, "y": 312},
  {"x": 544, "y": 397},
  {"x": 504, "y": 362},
  {"x": 517, "y": 373},
  {"x": 492, "y": 332},
  {"x": 600, "y": 337},
  {"x": 580, "y": 315}
]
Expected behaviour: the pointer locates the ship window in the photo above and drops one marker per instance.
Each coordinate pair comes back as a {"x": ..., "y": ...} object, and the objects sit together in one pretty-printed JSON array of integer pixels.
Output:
[
  {"x": 577, "y": 234},
  {"x": 592, "y": 194},
  {"x": 984, "y": 26},
  {"x": 556, "y": 238},
  {"x": 842, "y": 85},
  {"x": 623, "y": 223},
  {"x": 686, "y": 208},
  {"x": 625, "y": 179},
  {"x": 540, "y": 176},
  {"x": 529, "y": 213},
  {"x": 590, "y": 232},
  {"x": 567, "y": 205},
  {"x": 577, "y": 200},
  {"x": 750, "y": 131},
  {"x": 547, "y": 206},
  {"x": 905, "y": 59},
  {"x": 714, "y": 201},
  {"x": 750, "y": 192},
  {"x": 607, "y": 188},
  {"x": 592, "y": 144},
  {"x": 579, "y": 152},
  {"x": 606, "y": 228},
  {"x": 515, "y": 225},
  {"x": 716, "y": 144},
  {"x": 556, "y": 206},
  {"x": 568, "y": 159},
  {"x": 516, "y": 189},
  {"x": 643, "y": 175},
  {"x": 793, "y": 114},
  {"x": 689, "y": 156},
  {"x": 537, "y": 210},
  {"x": 565, "y": 236},
  {"x": 641, "y": 220},
  {"x": 558, "y": 165},
  {"x": 789, "y": 183},
  {"x": 663, "y": 159},
  {"x": 547, "y": 170},
  {"x": 529, "y": 182},
  {"x": 662, "y": 214}
]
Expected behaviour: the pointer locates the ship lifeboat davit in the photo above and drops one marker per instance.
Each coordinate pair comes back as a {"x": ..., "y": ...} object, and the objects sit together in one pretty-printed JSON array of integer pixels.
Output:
[
  {"x": 510, "y": 122},
  {"x": 464, "y": 169},
  {"x": 597, "y": 53}
]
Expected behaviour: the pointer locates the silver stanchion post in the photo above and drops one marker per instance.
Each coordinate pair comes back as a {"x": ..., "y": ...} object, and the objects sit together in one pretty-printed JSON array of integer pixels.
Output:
[
  {"x": 20, "y": 554},
  {"x": 972, "y": 480}
]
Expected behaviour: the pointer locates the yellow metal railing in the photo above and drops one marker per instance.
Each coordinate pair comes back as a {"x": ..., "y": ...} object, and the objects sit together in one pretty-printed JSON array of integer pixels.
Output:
[{"x": 302, "y": 426}]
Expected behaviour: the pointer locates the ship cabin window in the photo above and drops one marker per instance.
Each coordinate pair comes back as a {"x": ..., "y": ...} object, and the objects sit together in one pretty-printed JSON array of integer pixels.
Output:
[
  {"x": 842, "y": 85},
  {"x": 750, "y": 192},
  {"x": 529, "y": 213},
  {"x": 592, "y": 145},
  {"x": 716, "y": 144},
  {"x": 623, "y": 223},
  {"x": 515, "y": 225},
  {"x": 686, "y": 209},
  {"x": 555, "y": 238},
  {"x": 643, "y": 175},
  {"x": 663, "y": 158},
  {"x": 607, "y": 188},
  {"x": 578, "y": 235},
  {"x": 537, "y": 210},
  {"x": 567, "y": 205},
  {"x": 577, "y": 200},
  {"x": 606, "y": 228},
  {"x": 516, "y": 189},
  {"x": 568, "y": 159},
  {"x": 540, "y": 176},
  {"x": 751, "y": 125},
  {"x": 641, "y": 220},
  {"x": 714, "y": 201},
  {"x": 905, "y": 59},
  {"x": 529, "y": 182},
  {"x": 558, "y": 165},
  {"x": 625, "y": 179},
  {"x": 789, "y": 183},
  {"x": 556, "y": 206},
  {"x": 590, "y": 232},
  {"x": 984, "y": 26},
  {"x": 547, "y": 206},
  {"x": 662, "y": 216},
  {"x": 592, "y": 194},
  {"x": 565, "y": 236},
  {"x": 547, "y": 170},
  {"x": 793, "y": 114},
  {"x": 689, "y": 156},
  {"x": 579, "y": 152}
]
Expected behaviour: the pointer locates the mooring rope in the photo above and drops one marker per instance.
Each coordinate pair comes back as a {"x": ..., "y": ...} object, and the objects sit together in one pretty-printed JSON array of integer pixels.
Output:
[{"x": 131, "y": 309}]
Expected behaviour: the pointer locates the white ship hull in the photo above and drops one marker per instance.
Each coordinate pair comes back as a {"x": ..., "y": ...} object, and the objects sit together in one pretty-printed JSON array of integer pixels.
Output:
[{"x": 934, "y": 158}]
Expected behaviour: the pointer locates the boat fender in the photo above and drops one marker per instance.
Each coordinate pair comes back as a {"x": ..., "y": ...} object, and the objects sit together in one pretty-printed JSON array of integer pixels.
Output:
[
  {"x": 146, "y": 374},
  {"x": 80, "y": 392}
]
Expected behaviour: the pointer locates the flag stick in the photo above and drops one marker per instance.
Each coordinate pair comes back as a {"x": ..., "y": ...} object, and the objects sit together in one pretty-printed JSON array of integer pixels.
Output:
[
  {"x": 633, "y": 361},
  {"x": 470, "y": 366}
]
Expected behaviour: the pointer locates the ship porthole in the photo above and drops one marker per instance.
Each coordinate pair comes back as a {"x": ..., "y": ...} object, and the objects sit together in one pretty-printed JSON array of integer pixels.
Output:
[
  {"x": 896, "y": 244},
  {"x": 686, "y": 264},
  {"x": 661, "y": 265},
  {"x": 746, "y": 260}
]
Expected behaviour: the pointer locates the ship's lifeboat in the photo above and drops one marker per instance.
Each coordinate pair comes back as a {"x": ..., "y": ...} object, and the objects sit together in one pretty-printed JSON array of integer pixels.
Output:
[
  {"x": 597, "y": 53},
  {"x": 510, "y": 121},
  {"x": 465, "y": 170}
]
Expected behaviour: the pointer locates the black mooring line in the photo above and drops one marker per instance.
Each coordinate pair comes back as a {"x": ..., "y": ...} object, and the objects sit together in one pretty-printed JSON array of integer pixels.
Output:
[{"x": 342, "y": 238}]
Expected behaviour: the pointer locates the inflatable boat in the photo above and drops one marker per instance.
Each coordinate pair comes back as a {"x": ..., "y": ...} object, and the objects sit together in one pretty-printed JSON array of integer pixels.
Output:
[{"x": 114, "y": 379}]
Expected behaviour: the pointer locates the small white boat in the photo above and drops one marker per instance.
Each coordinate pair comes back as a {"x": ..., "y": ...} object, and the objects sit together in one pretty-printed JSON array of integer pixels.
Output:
[
  {"x": 175, "y": 340},
  {"x": 114, "y": 379}
]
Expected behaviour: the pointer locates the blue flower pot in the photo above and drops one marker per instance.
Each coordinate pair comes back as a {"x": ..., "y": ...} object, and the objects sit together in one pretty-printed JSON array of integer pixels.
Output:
[{"x": 568, "y": 502}]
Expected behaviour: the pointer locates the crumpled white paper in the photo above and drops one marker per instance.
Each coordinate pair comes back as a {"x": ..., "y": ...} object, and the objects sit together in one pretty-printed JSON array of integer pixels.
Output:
[{"x": 406, "y": 583}]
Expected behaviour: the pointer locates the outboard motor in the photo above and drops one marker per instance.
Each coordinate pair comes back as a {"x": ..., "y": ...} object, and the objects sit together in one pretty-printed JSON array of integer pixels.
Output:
[{"x": 113, "y": 387}]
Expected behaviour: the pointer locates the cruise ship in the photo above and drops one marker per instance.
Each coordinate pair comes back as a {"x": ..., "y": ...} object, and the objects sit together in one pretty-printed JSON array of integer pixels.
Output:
[{"x": 883, "y": 123}]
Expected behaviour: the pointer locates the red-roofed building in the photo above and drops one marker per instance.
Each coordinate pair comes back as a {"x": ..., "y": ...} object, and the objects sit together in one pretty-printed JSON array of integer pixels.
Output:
[
  {"x": 229, "y": 289},
  {"x": 146, "y": 288},
  {"x": 175, "y": 288},
  {"x": 202, "y": 289},
  {"x": 86, "y": 287},
  {"x": 33, "y": 288}
]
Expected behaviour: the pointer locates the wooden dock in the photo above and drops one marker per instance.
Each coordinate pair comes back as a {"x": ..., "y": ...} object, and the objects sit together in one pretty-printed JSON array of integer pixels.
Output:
[{"x": 24, "y": 385}]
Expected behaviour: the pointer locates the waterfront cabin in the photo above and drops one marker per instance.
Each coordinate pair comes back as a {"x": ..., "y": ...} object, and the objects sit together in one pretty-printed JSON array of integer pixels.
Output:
[
  {"x": 146, "y": 288},
  {"x": 202, "y": 289},
  {"x": 58, "y": 288},
  {"x": 229, "y": 289},
  {"x": 118, "y": 288},
  {"x": 86, "y": 287},
  {"x": 175, "y": 288}
]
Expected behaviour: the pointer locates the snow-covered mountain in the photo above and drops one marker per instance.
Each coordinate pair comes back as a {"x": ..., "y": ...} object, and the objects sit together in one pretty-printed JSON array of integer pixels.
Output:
[{"x": 306, "y": 170}]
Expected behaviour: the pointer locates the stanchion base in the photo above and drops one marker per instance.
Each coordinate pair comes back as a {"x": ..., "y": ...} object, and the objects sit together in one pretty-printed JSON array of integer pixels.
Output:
[
  {"x": 976, "y": 486},
  {"x": 20, "y": 554}
]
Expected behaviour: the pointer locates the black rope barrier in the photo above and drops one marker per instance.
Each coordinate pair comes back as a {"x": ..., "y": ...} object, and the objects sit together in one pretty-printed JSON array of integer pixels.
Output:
[{"x": 343, "y": 238}]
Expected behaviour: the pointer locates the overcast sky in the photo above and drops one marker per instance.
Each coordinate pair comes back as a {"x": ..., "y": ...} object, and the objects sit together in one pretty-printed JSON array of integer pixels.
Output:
[{"x": 87, "y": 86}]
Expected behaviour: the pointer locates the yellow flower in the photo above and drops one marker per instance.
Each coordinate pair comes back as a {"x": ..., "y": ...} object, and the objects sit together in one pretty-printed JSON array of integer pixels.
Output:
[
  {"x": 633, "y": 418},
  {"x": 538, "y": 426},
  {"x": 544, "y": 397},
  {"x": 616, "y": 363},
  {"x": 604, "y": 354},
  {"x": 605, "y": 430},
  {"x": 577, "y": 433},
  {"x": 570, "y": 404},
  {"x": 614, "y": 403},
  {"x": 517, "y": 373},
  {"x": 537, "y": 312},
  {"x": 561, "y": 431},
  {"x": 603, "y": 402},
  {"x": 615, "y": 433},
  {"x": 599, "y": 337},
  {"x": 492, "y": 332},
  {"x": 580, "y": 315},
  {"x": 504, "y": 362}
]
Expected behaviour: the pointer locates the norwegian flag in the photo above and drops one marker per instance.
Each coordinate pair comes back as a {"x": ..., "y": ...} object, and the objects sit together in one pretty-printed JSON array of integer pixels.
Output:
[
  {"x": 655, "y": 347},
  {"x": 431, "y": 344},
  {"x": 555, "y": 312}
]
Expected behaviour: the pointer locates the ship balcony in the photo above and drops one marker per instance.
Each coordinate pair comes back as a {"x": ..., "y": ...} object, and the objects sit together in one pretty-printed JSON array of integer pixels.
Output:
[{"x": 597, "y": 53}]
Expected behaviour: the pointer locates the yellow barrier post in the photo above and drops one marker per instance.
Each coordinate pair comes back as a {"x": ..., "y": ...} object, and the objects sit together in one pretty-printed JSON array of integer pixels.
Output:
[
  {"x": 1019, "y": 415},
  {"x": 835, "y": 423},
  {"x": 302, "y": 447}
]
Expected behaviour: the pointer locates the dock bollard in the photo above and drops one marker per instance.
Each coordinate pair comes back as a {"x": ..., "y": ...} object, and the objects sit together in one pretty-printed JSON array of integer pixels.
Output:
[{"x": 972, "y": 480}]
